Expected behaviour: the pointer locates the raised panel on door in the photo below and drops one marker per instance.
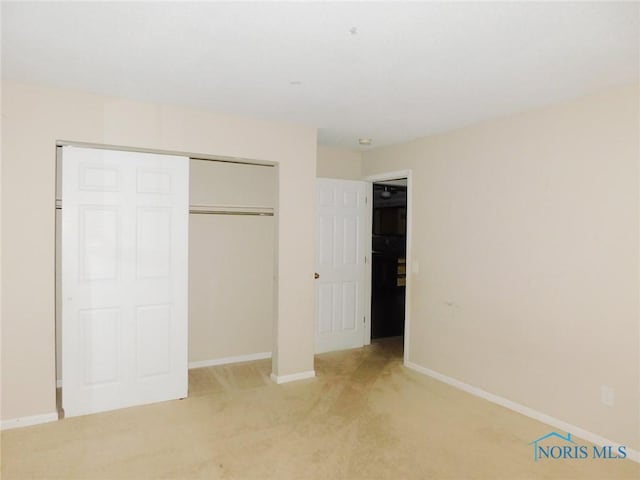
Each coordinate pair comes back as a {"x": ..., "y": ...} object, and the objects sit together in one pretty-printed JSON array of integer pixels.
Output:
[
  {"x": 153, "y": 243},
  {"x": 98, "y": 242},
  {"x": 154, "y": 340},
  {"x": 351, "y": 232},
  {"x": 100, "y": 345},
  {"x": 340, "y": 261},
  {"x": 350, "y": 307},
  {"x": 124, "y": 279}
]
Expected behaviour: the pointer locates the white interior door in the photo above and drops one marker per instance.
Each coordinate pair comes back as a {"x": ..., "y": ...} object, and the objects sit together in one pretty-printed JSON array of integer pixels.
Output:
[
  {"x": 124, "y": 279},
  {"x": 342, "y": 245}
]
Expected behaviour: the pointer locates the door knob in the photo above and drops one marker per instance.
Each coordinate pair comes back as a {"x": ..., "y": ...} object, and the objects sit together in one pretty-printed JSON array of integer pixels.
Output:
[{"x": 316, "y": 275}]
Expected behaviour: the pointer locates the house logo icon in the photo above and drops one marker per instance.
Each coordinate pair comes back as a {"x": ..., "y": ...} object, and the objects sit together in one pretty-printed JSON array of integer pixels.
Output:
[
  {"x": 555, "y": 446},
  {"x": 537, "y": 451}
]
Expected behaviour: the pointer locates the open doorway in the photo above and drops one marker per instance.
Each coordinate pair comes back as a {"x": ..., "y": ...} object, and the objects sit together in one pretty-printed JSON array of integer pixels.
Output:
[{"x": 389, "y": 259}]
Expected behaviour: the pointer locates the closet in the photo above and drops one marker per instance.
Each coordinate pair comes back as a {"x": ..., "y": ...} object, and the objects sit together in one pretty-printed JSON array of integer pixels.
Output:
[{"x": 231, "y": 230}]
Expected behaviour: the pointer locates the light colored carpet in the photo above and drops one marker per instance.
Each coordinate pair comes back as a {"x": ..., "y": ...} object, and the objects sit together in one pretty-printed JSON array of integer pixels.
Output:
[{"x": 364, "y": 417}]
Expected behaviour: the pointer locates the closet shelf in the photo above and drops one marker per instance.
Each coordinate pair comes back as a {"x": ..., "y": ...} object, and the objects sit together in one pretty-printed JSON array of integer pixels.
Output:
[{"x": 230, "y": 210}]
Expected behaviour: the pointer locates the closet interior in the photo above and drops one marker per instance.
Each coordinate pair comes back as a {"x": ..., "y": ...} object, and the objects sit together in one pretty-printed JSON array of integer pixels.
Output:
[{"x": 231, "y": 261}]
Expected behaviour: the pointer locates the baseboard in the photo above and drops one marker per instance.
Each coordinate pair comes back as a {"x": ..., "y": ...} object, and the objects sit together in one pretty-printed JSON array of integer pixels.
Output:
[
  {"x": 28, "y": 421},
  {"x": 227, "y": 360},
  {"x": 293, "y": 377},
  {"x": 522, "y": 409}
]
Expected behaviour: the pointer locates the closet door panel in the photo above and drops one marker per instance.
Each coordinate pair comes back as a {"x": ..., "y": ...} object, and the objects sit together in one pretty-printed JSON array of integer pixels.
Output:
[{"x": 124, "y": 282}]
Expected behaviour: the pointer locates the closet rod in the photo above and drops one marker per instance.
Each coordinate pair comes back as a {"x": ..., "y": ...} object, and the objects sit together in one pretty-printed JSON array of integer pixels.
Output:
[
  {"x": 236, "y": 161},
  {"x": 227, "y": 212}
]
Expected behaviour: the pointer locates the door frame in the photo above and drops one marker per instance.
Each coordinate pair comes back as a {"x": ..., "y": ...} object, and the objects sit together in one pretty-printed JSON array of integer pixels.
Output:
[{"x": 380, "y": 177}]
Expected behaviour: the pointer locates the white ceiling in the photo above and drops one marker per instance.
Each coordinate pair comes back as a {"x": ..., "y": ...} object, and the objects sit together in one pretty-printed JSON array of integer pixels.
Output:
[{"x": 390, "y": 71}]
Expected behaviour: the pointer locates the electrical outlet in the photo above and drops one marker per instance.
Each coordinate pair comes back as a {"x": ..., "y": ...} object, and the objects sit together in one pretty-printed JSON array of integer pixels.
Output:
[{"x": 607, "y": 395}]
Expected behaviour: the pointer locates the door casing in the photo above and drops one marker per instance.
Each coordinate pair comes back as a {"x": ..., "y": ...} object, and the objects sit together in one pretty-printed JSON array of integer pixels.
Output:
[{"x": 380, "y": 177}]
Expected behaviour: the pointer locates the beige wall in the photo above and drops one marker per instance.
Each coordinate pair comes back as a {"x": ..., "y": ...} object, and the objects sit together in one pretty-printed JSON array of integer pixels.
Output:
[
  {"x": 339, "y": 163},
  {"x": 33, "y": 118},
  {"x": 526, "y": 233}
]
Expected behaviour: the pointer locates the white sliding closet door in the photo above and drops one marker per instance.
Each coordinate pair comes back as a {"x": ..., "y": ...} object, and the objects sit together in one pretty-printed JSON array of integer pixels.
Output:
[{"x": 124, "y": 279}]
